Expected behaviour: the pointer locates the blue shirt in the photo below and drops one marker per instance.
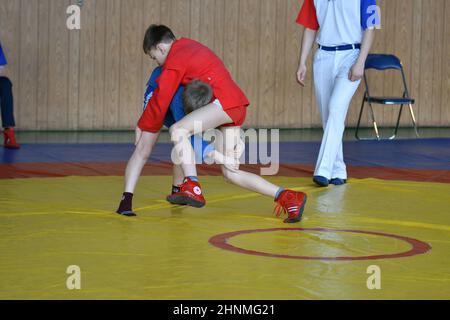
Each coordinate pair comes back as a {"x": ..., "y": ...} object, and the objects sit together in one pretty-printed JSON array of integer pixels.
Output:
[{"x": 3, "y": 61}]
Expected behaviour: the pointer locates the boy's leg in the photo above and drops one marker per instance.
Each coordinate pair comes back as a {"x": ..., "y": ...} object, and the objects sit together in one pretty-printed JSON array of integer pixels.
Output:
[
  {"x": 175, "y": 114},
  {"x": 177, "y": 182},
  {"x": 178, "y": 175},
  {"x": 291, "y": 202},
  {"x": 134, "y": 169},
  {"x": 231, "y": 147},
  {"x": 211, "y": 117},
  {"x": 208, "y": 117}
]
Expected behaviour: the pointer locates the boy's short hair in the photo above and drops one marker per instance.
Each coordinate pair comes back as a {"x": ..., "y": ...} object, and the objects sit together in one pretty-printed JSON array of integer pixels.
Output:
[
  {"x": 155, "y": 35},
  {"x": 197, "y": 94}
]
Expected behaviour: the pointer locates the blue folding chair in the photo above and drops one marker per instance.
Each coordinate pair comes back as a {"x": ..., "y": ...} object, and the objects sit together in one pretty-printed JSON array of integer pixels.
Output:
[{"x": 383, "y": 62}]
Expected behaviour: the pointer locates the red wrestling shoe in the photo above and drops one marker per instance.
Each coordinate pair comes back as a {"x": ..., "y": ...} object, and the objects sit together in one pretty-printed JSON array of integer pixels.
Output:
[
  {"x": 190, "y": 194},
  {"x": 169, "y": 197},
  {"x": 291, "y": 203},
  {"x": 10, "y": 139}
]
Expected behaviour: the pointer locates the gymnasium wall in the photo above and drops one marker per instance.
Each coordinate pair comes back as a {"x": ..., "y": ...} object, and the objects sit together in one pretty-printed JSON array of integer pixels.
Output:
[{"x": 94, "y": 78}]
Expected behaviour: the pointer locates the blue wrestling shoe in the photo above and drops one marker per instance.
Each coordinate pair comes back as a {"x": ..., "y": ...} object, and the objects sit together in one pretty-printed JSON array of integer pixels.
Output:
[
  {"x": 321, "y": 181},
  {"x": 338, "y": 181}
]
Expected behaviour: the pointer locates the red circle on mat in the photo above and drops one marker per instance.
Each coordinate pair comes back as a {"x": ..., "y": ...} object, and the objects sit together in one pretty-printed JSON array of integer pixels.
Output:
[{"x": 417, "y": 246}]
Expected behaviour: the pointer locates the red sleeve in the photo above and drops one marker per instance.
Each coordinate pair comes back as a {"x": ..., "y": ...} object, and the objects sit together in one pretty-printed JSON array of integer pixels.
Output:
[
  {"x": 152, "y": 118},
  {"x": 307, "y": 16}
]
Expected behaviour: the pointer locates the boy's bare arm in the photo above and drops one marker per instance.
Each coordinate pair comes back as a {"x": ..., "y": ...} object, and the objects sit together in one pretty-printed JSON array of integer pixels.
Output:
[
  {"x": 357, "y": 71},
  {"x": 309, "y": 36}
]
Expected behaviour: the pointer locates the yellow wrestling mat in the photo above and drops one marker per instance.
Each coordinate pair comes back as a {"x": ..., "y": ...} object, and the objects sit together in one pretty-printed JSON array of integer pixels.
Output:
[{"x": 167, "y": 252}]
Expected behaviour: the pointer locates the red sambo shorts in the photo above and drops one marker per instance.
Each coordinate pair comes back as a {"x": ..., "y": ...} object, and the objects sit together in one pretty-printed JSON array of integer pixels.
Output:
[{"x": 237, "y": 114}]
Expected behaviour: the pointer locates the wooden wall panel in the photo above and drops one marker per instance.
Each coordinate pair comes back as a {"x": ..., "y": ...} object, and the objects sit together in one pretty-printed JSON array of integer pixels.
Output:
[
  {"x": 445, "y": 94},
  {"x": 403, "y": 40},
  {"x": 416, "y": 53},
  {"x": 58, "y": 102},
  {"x": 438, "y": 44},
  {"x": 194, "y": 18},
  {"x": 231, "y": 44},
  {"x": 99, "y": 64},
  {"x": 219, "y": 26},
  {"x": 180, "y": 24},
  {"x": 294, "y": 93},
  {"x": 151, "y": 10},
  {"x": 207, "y": 23},
  {"x": 131, "y": 88},
  {"x": 266, "y": 64},
  {"x": 43, "y": 66},
  {"x": 248, "y": 55},
  {"x": 86, "y": 104},
  {"x": 165, "y": 12},
  {"x": 112, "y": 65},
  {"x": 280, "y": 107},
  {"x": 74, "y": 90},
  {"x": 426, "y": 63},
  {"x": 28, "y": 64},
  {"x": 94, "y": 78}
]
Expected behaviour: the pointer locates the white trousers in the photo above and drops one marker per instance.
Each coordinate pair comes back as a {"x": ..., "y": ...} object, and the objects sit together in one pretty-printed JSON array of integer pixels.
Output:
[{"x": 334, "y": 92}]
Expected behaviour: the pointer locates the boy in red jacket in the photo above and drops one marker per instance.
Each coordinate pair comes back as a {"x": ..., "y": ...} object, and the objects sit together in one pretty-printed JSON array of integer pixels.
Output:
[{"x": 185, "y": 60}]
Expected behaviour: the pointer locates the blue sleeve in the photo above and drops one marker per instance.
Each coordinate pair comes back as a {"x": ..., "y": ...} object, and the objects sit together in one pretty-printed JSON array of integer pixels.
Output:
[
  {"x": 176, "y": 106},
  {"x": 3, "y": 61},
  {"x": 370, "y": 14},
  {"x": 151, "y": 85},
  {"x": 169, "y": 120},
  {"x": 155, "y": 75}
]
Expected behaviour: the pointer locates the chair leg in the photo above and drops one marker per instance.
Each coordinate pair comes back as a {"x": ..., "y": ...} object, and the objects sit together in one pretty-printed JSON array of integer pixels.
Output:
[
  {"x": 398, "y": 123},
  {"x": 413, "y": 120},
  {"x": 359, "y": 119},
  {"x": 374, "y": 121}
]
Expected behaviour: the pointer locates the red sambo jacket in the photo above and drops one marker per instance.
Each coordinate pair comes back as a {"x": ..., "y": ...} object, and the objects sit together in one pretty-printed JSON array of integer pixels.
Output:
[{"x": 190, "y": 60}]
